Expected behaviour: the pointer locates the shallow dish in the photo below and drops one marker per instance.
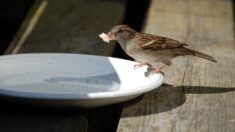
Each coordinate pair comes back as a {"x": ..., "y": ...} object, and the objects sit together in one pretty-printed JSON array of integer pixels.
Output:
[{"x": 72, "y": 79}]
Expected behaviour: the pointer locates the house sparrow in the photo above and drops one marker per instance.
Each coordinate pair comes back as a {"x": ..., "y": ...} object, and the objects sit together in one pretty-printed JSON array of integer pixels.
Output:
[{"x": 148, "y": 48}]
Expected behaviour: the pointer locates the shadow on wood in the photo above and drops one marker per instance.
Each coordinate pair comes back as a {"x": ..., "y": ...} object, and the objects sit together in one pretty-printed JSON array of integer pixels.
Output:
[{"x": 167, "y": 97}]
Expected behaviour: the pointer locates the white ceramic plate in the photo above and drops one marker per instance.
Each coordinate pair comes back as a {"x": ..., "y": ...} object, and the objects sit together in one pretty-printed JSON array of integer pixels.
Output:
[{"x": 73, "y": 79}]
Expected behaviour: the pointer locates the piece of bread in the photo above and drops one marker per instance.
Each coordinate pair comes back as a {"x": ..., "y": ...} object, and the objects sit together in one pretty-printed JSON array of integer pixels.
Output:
[{"x": 105, "y": 37}]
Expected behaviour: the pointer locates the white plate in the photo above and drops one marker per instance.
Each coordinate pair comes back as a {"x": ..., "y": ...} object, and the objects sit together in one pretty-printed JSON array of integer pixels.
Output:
[{"x": 73, "y": 79}]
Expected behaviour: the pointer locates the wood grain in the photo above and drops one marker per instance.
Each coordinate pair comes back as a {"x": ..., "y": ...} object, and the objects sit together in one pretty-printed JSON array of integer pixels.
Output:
[
  {"x": 198, "y": 95},
  {"x": 70, "y": 27}
]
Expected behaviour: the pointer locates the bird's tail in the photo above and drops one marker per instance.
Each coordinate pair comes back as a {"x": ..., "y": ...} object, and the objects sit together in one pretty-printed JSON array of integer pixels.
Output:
[{"x": 203, "y": 55}]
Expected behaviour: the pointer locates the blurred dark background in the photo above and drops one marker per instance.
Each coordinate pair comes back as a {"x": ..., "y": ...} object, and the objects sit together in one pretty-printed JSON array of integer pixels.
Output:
[{"x": 12, "y": 14}]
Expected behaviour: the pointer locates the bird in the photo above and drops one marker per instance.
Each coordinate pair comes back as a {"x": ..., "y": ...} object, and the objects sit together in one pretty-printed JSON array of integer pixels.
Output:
[{"x": 148, "y": 49}]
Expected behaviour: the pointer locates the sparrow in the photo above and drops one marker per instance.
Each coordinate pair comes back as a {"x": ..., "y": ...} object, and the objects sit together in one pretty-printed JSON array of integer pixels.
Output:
[{"x": 148, "y": 48}]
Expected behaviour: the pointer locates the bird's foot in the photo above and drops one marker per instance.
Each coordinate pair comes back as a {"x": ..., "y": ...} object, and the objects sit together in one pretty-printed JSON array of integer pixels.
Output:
[
  {"x": 152, "y": 71},
  {"x": 141, "y": 65}
]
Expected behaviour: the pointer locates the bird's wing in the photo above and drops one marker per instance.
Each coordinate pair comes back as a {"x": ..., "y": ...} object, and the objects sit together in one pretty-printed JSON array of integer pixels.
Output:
[{"x": 152, "y": 42}]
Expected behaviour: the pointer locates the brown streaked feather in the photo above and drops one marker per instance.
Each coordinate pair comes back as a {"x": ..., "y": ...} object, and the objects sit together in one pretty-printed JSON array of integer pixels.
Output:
[{"x": 152, "y": 42}]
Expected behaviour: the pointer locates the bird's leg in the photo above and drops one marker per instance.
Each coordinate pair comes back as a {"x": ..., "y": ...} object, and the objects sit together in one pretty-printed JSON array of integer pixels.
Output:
[
  {"x": 141, "y": 65},
  {"x": 156, "y": 70}
]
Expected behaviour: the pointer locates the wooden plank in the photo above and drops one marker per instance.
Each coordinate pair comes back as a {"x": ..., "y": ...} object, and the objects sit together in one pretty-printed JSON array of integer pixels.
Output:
[
  {"x": 203, "y": 99},
  {"x": 71, "y": 27}
]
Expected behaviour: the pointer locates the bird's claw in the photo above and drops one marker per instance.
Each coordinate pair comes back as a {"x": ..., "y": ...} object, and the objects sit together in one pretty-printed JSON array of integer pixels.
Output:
[
  {"x": 141, "y": 65},
  {"x": 138, "y": 66},
  {"x": 153, "y": 71}
]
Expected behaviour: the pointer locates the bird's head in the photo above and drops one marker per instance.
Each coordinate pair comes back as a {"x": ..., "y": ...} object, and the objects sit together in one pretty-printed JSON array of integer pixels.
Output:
[{"x": 121, "y": 33}]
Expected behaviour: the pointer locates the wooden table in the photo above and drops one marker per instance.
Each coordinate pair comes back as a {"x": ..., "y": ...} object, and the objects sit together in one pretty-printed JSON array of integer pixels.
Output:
[{"x": 197, "y": 95}]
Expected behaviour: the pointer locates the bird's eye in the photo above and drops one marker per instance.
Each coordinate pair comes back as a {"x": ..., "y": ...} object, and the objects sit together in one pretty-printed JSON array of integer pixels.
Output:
[{"x": 120, "y": 31}]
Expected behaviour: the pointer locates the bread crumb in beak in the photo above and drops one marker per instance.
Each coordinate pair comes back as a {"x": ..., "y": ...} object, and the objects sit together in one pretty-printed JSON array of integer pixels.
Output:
[{"x": 104, "y": 37}]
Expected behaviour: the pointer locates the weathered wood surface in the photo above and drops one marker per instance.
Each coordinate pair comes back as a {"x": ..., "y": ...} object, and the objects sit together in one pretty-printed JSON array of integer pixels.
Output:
[
  {"x": 63, "y": 26},
  {"x": 203, "y": 97}
]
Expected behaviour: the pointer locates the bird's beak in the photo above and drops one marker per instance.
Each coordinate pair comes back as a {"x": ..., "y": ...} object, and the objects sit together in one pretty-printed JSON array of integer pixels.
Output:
[{"x": 111, "y": 36}]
